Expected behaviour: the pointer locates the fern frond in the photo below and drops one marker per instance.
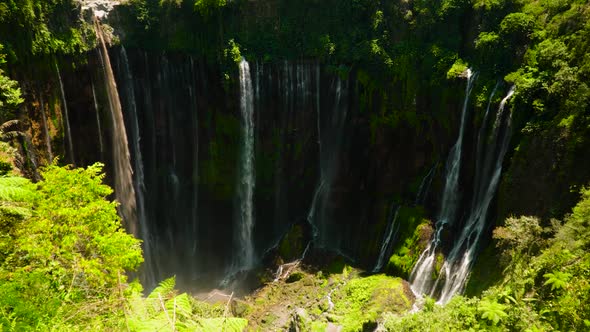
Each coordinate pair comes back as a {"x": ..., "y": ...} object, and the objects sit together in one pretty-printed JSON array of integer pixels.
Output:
[
  {"x": 180, "y": 304},
  {"x": 14, "y": 211},
  {"x": 16, "y": 189},
  {"x": 229, "y": 324},
  {"x": 164, "y": 289}
]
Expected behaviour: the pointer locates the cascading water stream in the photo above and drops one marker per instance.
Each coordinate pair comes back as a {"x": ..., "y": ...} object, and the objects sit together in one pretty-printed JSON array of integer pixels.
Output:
[
  {"x": 391, "y": 232},
  {"x": 46, "y": 130},
  {"x": 138, "y": 174},
  {"x": 195, "y": 210},
  {"x": 458, "y": 263},
  {"x": 245, "y": 220},
  {"x": 330, "y": 141},
  {"x": 66, "y": 117},
  {"x": 124, "y": 188},
  {"x": 422, "y": 194},
  {"x": 98, "y": 125},
  {"x": 421, "y": 276}
]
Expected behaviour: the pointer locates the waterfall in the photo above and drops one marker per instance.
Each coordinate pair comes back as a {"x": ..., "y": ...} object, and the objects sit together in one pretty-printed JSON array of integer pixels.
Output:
[
  {"x": 330, "y": 140},
  {"x": 458, "y": 263},
  {"x": 46, "y": 130},
  {"x": 481, "y": 138},
  {"x": 138, "y": 174},
  {"x": 97, "y": 111},
  {"x": 391, "y": 233},
  {"x": 124, "y": 189},
  {"x": 317, "y": 101},
  {"x": 195, "y": 201},
  {"x": 245, "y": 222},
  {"x": 421, "y": 276},
  {"x": 66, "y": 117},
  {"x": 422, "y": 194}
]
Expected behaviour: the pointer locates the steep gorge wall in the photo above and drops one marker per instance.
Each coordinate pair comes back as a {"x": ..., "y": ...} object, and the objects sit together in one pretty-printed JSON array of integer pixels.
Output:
[
  {"x": 189, "y": 137},
  {"x": 402, "y": 116}
]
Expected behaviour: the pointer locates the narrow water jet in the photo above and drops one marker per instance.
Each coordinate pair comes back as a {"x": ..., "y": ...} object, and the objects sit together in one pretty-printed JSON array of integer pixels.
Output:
[
  {"x": 46, "y": 135},
  {"x": 424, "y": 187},
  {"x": 138, "y": 174},
  {"x": 421, "y": 276},
  {"x": 124, "y": 188},
  {"x": 390, "y": 235},
  {"x": 456, "y": 268},
  {"x": 69, "y": 142},
  {"x": 245, "y": 255},
  {"x": 330, "y": 141},
  {"x": 98, "y": 125}
]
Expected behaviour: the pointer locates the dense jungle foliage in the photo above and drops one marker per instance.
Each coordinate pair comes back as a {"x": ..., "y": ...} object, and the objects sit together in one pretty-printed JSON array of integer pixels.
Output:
[{"x": 65, "y": 260}]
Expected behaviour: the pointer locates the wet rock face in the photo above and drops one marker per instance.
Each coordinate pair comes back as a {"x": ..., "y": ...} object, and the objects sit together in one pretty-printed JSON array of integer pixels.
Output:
[{"x": 100, "y": 8}]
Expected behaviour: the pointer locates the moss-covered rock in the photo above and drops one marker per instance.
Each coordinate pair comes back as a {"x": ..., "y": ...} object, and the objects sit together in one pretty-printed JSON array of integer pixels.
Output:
[
  {"x": 414, "y": 234},
  {"x": 343, "y": 298},
  {"x": 361, "y": 301}
]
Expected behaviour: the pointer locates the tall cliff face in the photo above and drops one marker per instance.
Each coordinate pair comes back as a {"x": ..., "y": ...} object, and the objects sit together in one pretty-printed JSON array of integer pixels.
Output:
[
  {"x": 183, "y": 122},
  {"x": 346, "y": 129}
]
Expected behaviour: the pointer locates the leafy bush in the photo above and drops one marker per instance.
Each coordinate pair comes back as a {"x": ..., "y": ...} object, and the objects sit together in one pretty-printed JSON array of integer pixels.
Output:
[
  {"x": 68, "y": 256},
  {"x": 546, "y": 282}
]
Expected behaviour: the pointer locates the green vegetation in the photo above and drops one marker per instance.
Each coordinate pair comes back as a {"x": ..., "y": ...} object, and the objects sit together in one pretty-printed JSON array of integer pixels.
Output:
[
  {"x": 64, "y": 259},
  {"x": 341, "y": 296},
  {"x": 32, "y": 28},
  {"x": 545, "y": 284},
  {"x": 10, "y": 94},
  {"x": 165, "y": 309},
  {"x": 362, "y": 301},
  {"x": 413, "y": 234},
  {"x": 65, "y": 254}
]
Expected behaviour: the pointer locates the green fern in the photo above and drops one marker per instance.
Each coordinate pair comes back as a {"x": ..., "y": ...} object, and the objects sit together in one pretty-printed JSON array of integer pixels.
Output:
[
  {"x": 163, "y": 310},
  {"x": 17, "y": 195},
  {"x": 222, "y": 324},
  {"x": 492, "y": 311},
  {"x": 164, "y": 290},
  {"x": 181, "y": 305},
  {"x": 557, "y": 279},
  {"x": 16, "y": 189}
]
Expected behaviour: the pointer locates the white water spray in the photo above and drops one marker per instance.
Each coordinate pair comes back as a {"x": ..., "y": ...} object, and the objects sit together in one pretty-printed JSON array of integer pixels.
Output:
[
  {"x": 138, "y": 174},
  {"x": 421, "y": 277},
  {"x": 456, "y": 268},
  {"x": 124, "y": 189},
  {"x": 390, "y": 235},
  {"x": 66, "y": 117},
  {"x": 247, "y": 179}
]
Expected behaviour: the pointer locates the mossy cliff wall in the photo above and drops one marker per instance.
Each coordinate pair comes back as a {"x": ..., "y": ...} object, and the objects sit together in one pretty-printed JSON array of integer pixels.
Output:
[
  {"x": 402, "y": 113},
  {"x": 190, "y": 139}
]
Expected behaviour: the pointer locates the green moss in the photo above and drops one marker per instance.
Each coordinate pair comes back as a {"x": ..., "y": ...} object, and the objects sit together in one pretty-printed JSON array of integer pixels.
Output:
[
  {"x": 292, "y": 246},
  {"x": 218, "y": 171},
  {"x": 408, "y": 247},
  {"x": 363, "y": 300},
  {"x": 318, "y": 326},
  {"x": 337, "y": 266},
  {"x": 294, "y": 277},
  {"x": 458, "y": 69}
]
